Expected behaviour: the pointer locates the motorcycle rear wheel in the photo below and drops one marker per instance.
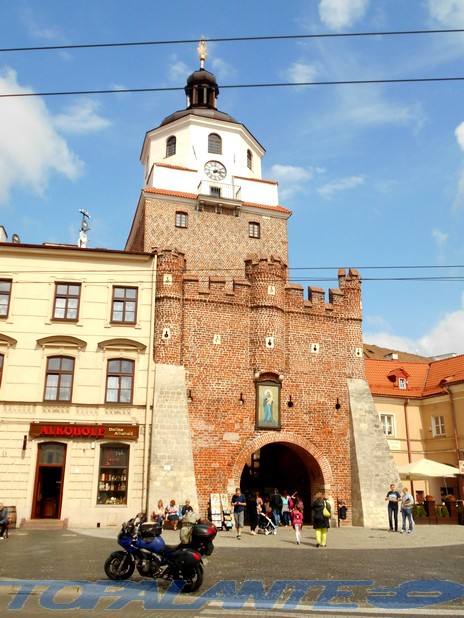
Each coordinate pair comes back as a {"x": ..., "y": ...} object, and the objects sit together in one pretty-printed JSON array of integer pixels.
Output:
[
  {"x": 192, "y": 577},
  {"x": 119, "y": 565}
]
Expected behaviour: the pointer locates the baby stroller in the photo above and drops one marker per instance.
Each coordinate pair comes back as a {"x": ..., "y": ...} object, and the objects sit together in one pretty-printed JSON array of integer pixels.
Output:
[{"x": 265, "y": 525}]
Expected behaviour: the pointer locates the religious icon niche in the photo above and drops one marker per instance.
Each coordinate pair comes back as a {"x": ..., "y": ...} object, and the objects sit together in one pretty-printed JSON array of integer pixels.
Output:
[{"x": 267, "y": 405}]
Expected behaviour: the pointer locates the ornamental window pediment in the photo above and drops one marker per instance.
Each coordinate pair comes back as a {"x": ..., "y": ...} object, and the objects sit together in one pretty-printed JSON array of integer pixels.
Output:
[
  {"x": 61, "y": 341},
  {"x": 122, "y": 343},
  {"x": 7, "y": 341}
]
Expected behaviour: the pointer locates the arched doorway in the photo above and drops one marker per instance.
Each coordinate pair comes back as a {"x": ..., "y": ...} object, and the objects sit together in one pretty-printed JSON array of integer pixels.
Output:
[{"x": 286, "y": 466}]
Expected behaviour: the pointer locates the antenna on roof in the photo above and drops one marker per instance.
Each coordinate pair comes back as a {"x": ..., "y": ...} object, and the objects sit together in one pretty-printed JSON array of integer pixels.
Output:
[{"x": 83, "y": 240}]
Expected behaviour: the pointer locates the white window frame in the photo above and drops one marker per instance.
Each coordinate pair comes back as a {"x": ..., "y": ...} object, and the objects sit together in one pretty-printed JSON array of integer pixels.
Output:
[
  {"x": 402, "y": 383},
  {"x": 438, "y": 426},
  {"x": 388, "y": 425}
]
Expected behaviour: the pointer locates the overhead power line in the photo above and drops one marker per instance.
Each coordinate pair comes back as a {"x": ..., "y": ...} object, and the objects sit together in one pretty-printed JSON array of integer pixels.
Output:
[
  {"x": 232, "y": 39},
  {"x": 232, "y": 86}
]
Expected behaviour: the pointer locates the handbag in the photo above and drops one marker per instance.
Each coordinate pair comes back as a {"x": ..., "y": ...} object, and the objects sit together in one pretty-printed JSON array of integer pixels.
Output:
[{"x": 325, "y": 511}]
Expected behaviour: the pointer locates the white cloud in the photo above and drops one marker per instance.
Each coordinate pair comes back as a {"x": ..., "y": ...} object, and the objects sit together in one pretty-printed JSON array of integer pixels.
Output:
[
  {"x": 222, "y": 69},
  {"x": 38, "y": 30},
  {"x": 31, "y": 150},
  {"x": 343, "y": 184},
  {"x": 81, "y": 117},
  {"x": 339, "y": 14},
  {"x": 444, "y": 338},
  {"x": 291, "y": 179},
  {"x": 459, "y": 132},
  {"x": 300, "y": 72},
  {"x": 290, "y": 173},
  {"x": 393, "y": 342},
  {"x": 449, "y": 13},
  {"x": 178, "y": 71},
  {"x": 378, "y": 112},
  {"x": 441, "y": 241},
  {"x": 440, "y": 237}
]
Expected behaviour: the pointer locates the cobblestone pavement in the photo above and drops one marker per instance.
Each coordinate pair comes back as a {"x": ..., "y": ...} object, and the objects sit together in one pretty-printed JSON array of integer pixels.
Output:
[{"x": 255, "y": 576}]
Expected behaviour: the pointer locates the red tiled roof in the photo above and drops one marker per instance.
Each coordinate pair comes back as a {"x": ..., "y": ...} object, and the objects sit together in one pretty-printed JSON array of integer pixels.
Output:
[
  {"x": 277, "y": 208},
  {"x": 424, "y": 378},
  {"x": 193, "y": 196},
  {"x": 269, "y": 182},
  {"x": 374, "y": 351},
  {"x": 449, "y": 369},
  {"x": 175, "y": 167}
]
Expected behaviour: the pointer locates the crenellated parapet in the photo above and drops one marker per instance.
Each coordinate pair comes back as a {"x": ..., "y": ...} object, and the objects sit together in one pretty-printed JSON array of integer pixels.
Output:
[
  {"x": 344, "y": 302},
  {"x": 268, "y": 277},
  {"x": 171, "y": 267}
]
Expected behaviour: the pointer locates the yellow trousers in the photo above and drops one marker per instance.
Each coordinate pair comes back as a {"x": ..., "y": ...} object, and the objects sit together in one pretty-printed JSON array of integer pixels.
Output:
[{"x": 321, "y": 536}]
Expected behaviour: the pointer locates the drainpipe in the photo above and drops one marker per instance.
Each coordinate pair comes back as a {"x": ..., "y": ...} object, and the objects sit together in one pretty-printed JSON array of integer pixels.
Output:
[
  {"x": 453, "y": 416},
  {"x": 149, "y": 402},
  {"x": 408, "y": 441}
]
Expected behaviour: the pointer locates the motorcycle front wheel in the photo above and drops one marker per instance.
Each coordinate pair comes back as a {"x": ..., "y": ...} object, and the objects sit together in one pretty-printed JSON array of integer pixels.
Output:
[
  {"x": 192, "y": 577},
  {"x": 119, "y": 565}
]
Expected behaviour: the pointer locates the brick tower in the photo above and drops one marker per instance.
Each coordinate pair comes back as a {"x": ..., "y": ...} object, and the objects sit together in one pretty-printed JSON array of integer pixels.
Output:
[{"x": 255, "y": 385}]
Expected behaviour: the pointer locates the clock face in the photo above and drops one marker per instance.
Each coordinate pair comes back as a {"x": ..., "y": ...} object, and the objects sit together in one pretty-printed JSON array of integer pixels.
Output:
[{"x": 215, "y": 170}]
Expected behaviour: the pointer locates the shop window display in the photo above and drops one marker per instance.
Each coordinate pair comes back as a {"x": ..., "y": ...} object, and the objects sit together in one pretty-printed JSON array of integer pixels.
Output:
[{"x": 112, "y": 483}]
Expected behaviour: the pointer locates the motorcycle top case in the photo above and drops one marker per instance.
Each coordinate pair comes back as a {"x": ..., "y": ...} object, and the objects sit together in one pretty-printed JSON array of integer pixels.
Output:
[{"x": 203, "y": 532}]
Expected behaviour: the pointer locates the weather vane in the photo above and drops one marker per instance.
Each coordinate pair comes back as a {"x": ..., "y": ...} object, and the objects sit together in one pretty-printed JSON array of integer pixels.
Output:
[
  {"x": 83, "y": 239},
  {"x": 201, "y": 49}
]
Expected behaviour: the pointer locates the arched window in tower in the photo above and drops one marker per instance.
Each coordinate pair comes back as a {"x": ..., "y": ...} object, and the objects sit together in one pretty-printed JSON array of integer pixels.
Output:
[
  {"x": 171, "y": 146},
  {"x": 214, "y": 143},
  {"x": 249, "y": 159}
]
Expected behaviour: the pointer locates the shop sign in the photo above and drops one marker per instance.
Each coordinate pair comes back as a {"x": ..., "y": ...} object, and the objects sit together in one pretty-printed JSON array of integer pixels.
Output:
[{"x": 93, "y": 432}]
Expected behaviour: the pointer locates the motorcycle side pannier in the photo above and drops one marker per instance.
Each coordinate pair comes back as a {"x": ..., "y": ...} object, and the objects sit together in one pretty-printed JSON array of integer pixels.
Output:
[{"x": 186, "y": 558}]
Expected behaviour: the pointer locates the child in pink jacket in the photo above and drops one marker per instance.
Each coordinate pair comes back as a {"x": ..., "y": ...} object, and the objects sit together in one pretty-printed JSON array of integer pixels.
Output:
[{"x": 297, "y": 521}]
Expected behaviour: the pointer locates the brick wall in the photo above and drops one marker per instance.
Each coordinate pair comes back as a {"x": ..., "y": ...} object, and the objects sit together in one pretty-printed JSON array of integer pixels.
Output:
[
  {"x": 219, "y": 242},
  {"x": 243, "y": 313}
]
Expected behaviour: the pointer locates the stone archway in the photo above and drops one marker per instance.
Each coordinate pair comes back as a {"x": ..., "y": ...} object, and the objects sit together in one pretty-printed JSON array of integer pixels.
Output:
[{"x": 283, "y": 437}]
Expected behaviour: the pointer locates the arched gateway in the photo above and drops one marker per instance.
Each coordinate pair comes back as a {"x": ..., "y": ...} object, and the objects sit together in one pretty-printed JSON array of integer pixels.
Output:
[{"x": 285, "y": 460}]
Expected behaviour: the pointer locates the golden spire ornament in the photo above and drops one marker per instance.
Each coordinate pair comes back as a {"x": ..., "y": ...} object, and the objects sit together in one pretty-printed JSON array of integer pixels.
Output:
[{"x": 201, "y": 49}]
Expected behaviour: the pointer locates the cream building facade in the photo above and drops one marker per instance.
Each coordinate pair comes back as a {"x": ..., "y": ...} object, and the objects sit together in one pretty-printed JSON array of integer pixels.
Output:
[
  {"x": 421, "y": 408},
  {"x": 76, "y": 382}
]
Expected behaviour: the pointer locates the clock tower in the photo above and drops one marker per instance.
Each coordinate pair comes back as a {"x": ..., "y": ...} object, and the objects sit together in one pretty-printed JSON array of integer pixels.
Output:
[{"x": 203, "y": 190}]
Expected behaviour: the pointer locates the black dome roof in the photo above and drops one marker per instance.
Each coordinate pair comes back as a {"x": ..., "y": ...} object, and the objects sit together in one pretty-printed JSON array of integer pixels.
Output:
[
  {"x": 202, "y": 75},
  {"x": 202, "y": 92},
  {"x": 207, "y": 112}
]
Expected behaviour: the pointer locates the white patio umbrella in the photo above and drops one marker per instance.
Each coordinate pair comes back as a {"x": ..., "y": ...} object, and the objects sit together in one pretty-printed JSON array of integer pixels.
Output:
[{"x": 425, "y": 469}]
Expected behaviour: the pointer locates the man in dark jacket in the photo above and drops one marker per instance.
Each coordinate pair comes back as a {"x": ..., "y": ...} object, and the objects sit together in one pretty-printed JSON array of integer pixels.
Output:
[
  {"x": 276, "y": 505},
  {"x": 4, "y": 521}
]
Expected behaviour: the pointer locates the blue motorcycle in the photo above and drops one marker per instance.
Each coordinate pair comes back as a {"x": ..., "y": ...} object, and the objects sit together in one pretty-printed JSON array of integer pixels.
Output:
[{"x": 146, "y": 551}]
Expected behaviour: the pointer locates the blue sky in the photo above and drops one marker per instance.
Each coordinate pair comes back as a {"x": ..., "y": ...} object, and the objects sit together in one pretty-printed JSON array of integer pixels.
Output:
[{"x": 374, "y": 174}]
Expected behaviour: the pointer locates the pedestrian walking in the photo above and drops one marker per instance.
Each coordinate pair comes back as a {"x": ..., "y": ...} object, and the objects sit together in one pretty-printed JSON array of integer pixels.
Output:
[
  {"x": 393, "y": 498},
  {"x": 286, "y": 509},
  {"x": 297, "y": 521},
  {"x": 239, "y": 504},
  {"x": 276, "y": 506},
  {"x": 253, "y": 513},
  {"x": 407, "y": 502},
  {"x": 321, "y": 520}
]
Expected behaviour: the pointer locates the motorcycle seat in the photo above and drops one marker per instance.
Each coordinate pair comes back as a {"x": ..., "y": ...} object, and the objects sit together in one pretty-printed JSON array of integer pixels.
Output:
[{"x": 170, "y": 549}]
